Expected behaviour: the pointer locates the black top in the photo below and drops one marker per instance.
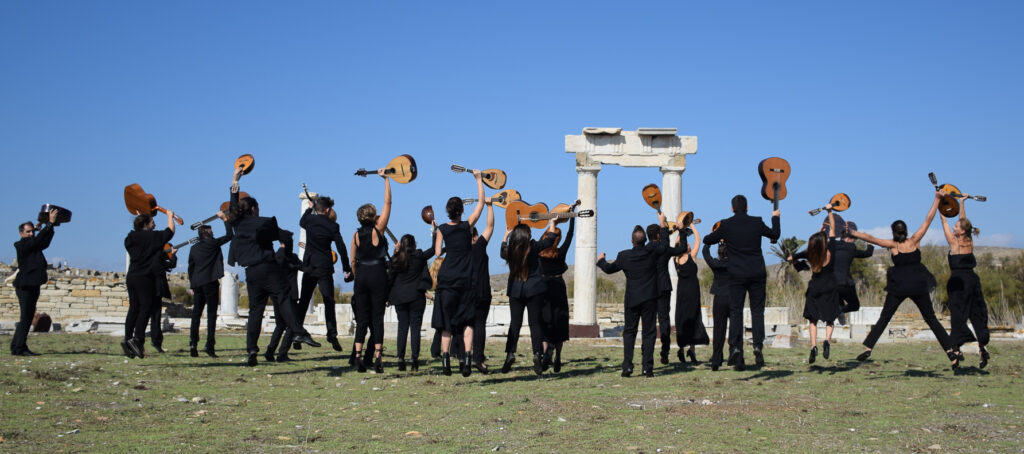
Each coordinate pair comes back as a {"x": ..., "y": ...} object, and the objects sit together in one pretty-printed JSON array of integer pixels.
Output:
[
  {"x": 742, "y": 234},
  {"x": 664, "y": 280},
  {"x": 640, "y": 266},
  {"x": 824, "y": 280},
  {"x": 962, "y": 262},
  {"x": 206, "y": 261},
  {"x": 556, "y": 266},
  {"x": 908, "y": 276},
  {"x": 31, "y": 261},
  {"x": 162, "y": 266},
  {"x": 534, "y": 283},
  {"x": 254, "y": 238},
  {"x": 407, "y": 285},
  {"x": 720, "y": 270},
  {"x": 481, "y": 270},
  {"x": 456, "y": 270},
  {"x": 366, "y": 252},
  {"x": 845, "y": 252},
  {"x": 321, "y": 231},
  {"x": 145, "y": 248}
]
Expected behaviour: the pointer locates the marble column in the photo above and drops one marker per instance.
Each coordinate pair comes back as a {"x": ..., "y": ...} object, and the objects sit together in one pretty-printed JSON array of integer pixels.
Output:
[
  {"x": 228, "y": 295},
  {"x": 671, "y": 205},
  {"x": 584, "y": 316}
]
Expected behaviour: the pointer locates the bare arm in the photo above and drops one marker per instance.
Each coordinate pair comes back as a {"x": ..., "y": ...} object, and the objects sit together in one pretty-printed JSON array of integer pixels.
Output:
[
  {"x": 352, "y": 252},
  {"x": 876, "y": 241},
  {"x": 490, "y": 222},
  {"x": 438, "y": 241},
  {"x": 478, "y": 209},
  {"x": 916, "y": 238},
  {"x": 949, "y": 233},
  {"x": 170, "y": 220},
  {"x": 696, "y": 242},
  {"x": 385, "y": 211},
  {"x": 831, "y": 224}
]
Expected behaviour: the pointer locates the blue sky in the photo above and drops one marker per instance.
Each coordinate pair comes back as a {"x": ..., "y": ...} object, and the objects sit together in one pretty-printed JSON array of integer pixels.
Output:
[{"x": 861, "y": 97}]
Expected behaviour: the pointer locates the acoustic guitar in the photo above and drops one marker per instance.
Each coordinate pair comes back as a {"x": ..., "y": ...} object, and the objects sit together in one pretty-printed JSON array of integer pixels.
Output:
[
  {"x": 139, "y": 201},
  {"x": 168, "y": 248},
  {"x": 334, "y": 255},
  {"x": 224, "y": 208},
  {"x": 773, "y": 172},
  {"x": 716, "y": 226},
  {"x": 501, "y": 199},
  {"x": 63, "y": 215},
  {"x": 493, "y": 178},
  {"x": 537, "y": 215},
  {"x": 949, "y": 206},
  {"x": 652, "y": 195},
  {"x": 563, "y": 208},
  {"x": 401, "y": 170},
  {"x": 839, "y": 202}
]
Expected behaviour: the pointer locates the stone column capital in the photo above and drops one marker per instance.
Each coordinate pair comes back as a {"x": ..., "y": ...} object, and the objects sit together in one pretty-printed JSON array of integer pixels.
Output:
[
  {"x": 594, "y": 168},
  {"x": 672, "y": 169}
]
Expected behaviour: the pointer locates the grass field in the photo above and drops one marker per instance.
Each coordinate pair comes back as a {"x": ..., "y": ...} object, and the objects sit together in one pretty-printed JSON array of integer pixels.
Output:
[{"x": 83, "y": 396}]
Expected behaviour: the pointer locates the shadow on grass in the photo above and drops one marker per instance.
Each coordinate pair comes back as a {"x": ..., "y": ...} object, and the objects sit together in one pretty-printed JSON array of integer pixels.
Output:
[
  {"x": 768, "y": 375},
  {"x": 836, "y": 368},
  {"x": 970, "y": 371}
]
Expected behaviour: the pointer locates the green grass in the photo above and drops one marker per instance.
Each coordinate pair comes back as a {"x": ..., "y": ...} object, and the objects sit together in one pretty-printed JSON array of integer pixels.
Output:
[{"x": 906, "y": 399}]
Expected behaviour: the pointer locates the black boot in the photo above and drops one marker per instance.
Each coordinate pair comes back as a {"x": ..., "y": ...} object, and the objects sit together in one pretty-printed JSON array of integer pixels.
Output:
[
  {"x": 814, "y": 354},
  {"x": 557, "y": 366},
  {"x": 664, "y": 355},
  {"x": 510, "y": 358},
  {"x": 251, "y": 361},
  {"x": 193, "y": 350},
  {"x": 378, "y": 362},
  {"x": 548, "y": 354},
  {"x": 984, "y": 358},
  {"x": 446, "y": 363},
  {"x": 401, "y": 364},
  {"x": 758, "y": 358},
  {"x": 467, "y": 362},
  {"x": 415, "y": 365},
  {"x": 334, "y": 343},
  {"x": 360, "y": 364},
  {"x": 210, "y": 352},
  {"x": 538, "y": 363},
  {"x": 826, "y": 350},
  {"x": 269, "y": 356},
  {"x": 693, "y": 355}
]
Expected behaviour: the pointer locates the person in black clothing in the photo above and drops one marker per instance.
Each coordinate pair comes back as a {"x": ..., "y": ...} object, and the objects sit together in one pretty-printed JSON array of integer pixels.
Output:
[
  {"x": 822, "y": 297},
  {"x": 641, "y": 302},
  {"x": 369, "y": 255},
  {"x": 290, "y": 265},
  {"x": 205, "y": 268},
  {"x": 690, "y": 330},
  {"x": 742, "y": 234},
  {"x": 481, "y": 288},
  {"x": 846, "y": 251},
  {"x": 525, "y": 290},
  {"x": 556, "y": 296},
  {"x": 253, "y": 248},
  {"x": 409, "y": 281},
  {"x": 145, "y": 247},
  {"x": 664, "y": 291},
  {"x": 966, "y": 300},
  {"x": 453, "y": 298},
  {"x": 722, "y": 306},
  {"x": 163, "y": 265},
  {"x": 318, "y": 265},
  {"x": 31, "y": 276}
]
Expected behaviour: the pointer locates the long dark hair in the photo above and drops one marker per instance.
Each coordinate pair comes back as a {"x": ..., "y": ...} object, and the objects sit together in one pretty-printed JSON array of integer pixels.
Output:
[
  {"x": 552, "y": 251},
  {"x": 518, "y": 250},
  {"x": 141, "y": 221},
  {"x": 899, "y": 231},
  {"x": 400, "y": 261},
  {"x": 244, "y": 208},
  {"x": 817, "y": 246},
  {"x": 454, "y": 208}
]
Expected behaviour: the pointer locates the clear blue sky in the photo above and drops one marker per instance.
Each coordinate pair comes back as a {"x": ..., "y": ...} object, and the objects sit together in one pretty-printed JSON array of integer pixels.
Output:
[{"x": 862, "y": 97}]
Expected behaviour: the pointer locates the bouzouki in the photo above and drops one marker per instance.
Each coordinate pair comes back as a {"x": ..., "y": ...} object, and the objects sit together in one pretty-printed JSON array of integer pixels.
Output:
[
  {"x": 537, "y": 215},
  {"x": 949, "y": 206},
  {"x": 401, "y": 169},
  {"x": 168, "y": 247},
  {"x": 334, "y": 255},
  {"x": 139, "y": 201},
  {"x": 839, "y": 202},
  {"x": 773, "y": 172},
  {"x": 493, "y": 178},
  {"x": 224, "y": 208}
]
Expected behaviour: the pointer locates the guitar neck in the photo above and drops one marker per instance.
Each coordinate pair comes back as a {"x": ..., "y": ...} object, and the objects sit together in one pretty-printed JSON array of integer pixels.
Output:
[
  {"x": 203, "y": 222},
  {"x": 552, "y": 216}
]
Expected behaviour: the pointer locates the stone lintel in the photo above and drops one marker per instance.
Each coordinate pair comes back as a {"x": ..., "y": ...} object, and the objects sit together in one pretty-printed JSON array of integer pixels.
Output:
[
  {"x": 608, "y": 148},
  {"x": 593, "y": 130},
  {"x": 656, "y": 131}
]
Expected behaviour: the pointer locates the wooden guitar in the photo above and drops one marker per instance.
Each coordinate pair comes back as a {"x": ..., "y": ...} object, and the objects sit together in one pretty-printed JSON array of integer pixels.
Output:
[
  {"x": 501, "y": 199},
  {"x": 334, "y": 255},
  {"x": 401, "y": 169},
  {"x": 63, "y": 215},
  {"x": 774, "y": 172},
  {"x": 139, "y": 201},
  {"x": 683, "y": 222},
  {"x": 493, "y": 178},
  {"x": 536, "y": 216},
  {"x": 224, "y": 208},
  {"x": 949, "y": 206},
  {"x": 839, "y": 202},
  {"x": 168, "y": 247},
  {"x": 652, "y": 195},
  {"x": 563, "y": 208}
]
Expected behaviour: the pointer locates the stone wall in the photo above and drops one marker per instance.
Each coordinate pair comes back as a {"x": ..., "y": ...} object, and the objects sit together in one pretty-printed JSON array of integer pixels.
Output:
[{"x": 70, "y": 294}]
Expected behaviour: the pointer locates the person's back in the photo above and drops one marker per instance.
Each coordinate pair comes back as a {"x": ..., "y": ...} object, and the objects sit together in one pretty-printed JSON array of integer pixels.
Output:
[{"x": 742, "y": 234}]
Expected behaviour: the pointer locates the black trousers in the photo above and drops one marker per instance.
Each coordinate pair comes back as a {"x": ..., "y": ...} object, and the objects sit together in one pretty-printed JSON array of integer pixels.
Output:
[
  {"x": 264, "y": 281},
  {"x": 156, "y": 332},
  {"x": 923, "y": 303},
  {"x": 370, "y": 301},
  {"x": 721, "y": 310},
  {"x": 483, "y": 308},
  {"x": 142, "y": 301},
  {"x": 534, "y": 306},
  {"x": 848, "y": 298},
  {"x": 967, "y": 303},
  {"x": 664, "y": 321},
  {"x": 410, "y": 321},
  {"x": 739, "y": 289},
  {"x": 326, "y": 286},
  {"x": 28, "y": 296},
  {"x": 646, "y": 312},
  {"x": 205, "y": 296}
]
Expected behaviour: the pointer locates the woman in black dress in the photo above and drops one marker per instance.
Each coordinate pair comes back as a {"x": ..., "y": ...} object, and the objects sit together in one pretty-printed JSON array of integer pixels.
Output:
[
  {"x": 526, "y": 291},
  {"x": 481, "y": 282},
  {"x": 966, "y": 300},
  {"x": 690, "y": 330},
  {"x": 144, "y": 246},
  {"x": 453, "y": 298},
  {"x": 409, "y": 283},
  {"x": 907, "y": 278},
  {"x": 556, "y": 299},
  {"x": 821, "y": 301},
  {"x": 369, "y": 255},
  {"x": 720, "y": 308}
]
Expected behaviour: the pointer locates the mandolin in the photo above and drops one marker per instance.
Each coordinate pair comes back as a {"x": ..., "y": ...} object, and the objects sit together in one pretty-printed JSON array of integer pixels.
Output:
[
  {"x": 401, "y": 169},
  {"x": 139, "y": 201},
  {"x": 949, "y": 206},
  {"x": 334, "y": 255},
  {"x": 536, "y": 216},
  {"x": 683, "y": 221},
  {"x": 493, "y": 178},
  {"x": 716, "y": 226},
  {"x": 427, "y": 214},
  {"x": 168, "y": 247},
  {"x": 652, "y": 195},
  {"x": 223, "y": 209},
  {"x": 245, "y": 163},
  {"x": 774, "y": 172},
  {"x": 839, "y": 202},
  {"x": 501, "y": 199}
]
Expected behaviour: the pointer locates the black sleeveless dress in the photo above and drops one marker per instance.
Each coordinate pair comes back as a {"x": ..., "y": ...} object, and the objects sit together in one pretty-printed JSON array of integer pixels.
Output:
[
  {"x": 453, "y": 297},
  {"x": 966, "y": 301},
  {"x": 908, "y": 276},
  {"x": 690, "y": 328},
  {"x": 370, "y": 292}
]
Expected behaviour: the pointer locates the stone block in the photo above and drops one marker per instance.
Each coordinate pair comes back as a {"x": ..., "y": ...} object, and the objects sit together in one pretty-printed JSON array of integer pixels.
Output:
[{"x": 84, "y": 293}]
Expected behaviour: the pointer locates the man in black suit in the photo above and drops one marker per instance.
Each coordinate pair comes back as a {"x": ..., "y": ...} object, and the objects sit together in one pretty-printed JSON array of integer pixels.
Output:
[
  {"x": 641, "y": 303},
  {"x": 317, "y": 264},
  {"x": 205, "y": 268},
  {"x": 31, "y": 276},
  {"x": 747, "y": 274},
  {"x": 665, "y": 289},
  {"x": 253, "y": 248}
]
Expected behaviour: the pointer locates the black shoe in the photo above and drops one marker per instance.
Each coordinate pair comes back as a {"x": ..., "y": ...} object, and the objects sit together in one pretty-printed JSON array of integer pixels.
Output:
[
  {"x": 732, "y": 360},
  {"x": 26, "y": 352},
  {"x": 127, "y": 351},
  {"x": 360, "y": 364},
  {"x": 481, "y": 367},
  {"x": 401, "y": 364},
  {"x": 378, "y": 363},
  {"x": 814, "y": 355},
  {"x": 415, "y": 365},
  {"x": 296, "y": 346},
  {"x": 352, "y": 358},
  {"x": 334, "y": 343},
  {"x": 627, "y": 370},
  {"x": 193, "y": 351},
  {"x": 758, "y": 358},
  {"x": 736, "y": 360},
  {"x": 305, "y": 339},
  {"x": 252, "y": 359},
  {"x": 984, "y": 358},
  {"x": 269, "y": 356},
  {"x": 538, "y": 364},
  {"x": 510, "y": 358},
  {"x": 715, "y": 365},
  {"x": 864, "y": 356},
  {"x": 159, "y": 348},
  {"x": 210, "y": 352},
  {"x": 693, "y": 355},
  {"x": 954, "y": 357},
  {"x": 664, "y": 356},
  {"x": 136, "y": 348},
  {"x": 649, "y": 373},
  {"x": 283, "y": 358},
  {"x": 467, "y": 360},
  {"x": 446, "y": 363},
  {"x": 681, "y": 356},
  {"x": 547, "y": 359},
  {"x": 556, "y": 367}
]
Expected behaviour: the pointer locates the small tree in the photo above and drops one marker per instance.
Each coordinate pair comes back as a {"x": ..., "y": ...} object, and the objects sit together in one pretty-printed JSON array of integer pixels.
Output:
[{"x": 783, "y": 250}]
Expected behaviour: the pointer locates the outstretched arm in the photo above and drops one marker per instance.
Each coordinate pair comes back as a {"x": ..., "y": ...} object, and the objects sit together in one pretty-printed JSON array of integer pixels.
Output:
[
  {"x": 870, "y": 239},
  {"x": 352, "y": 252},
  {"x": 490, "y": 222},
  {"x": 478, "y": 209},
  {"x": 696, "y": 242},
  {"x": 608, "y": 268},
  {"x": 438, "y": 241},
  {"x": 947, "y": 232},
  {"x": 385, "y": 212},
  {"x": 919, "y": 234}
]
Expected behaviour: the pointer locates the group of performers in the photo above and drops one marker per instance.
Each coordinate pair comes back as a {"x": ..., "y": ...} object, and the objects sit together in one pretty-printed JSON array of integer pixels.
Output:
[{"x": 462, "y": 295}]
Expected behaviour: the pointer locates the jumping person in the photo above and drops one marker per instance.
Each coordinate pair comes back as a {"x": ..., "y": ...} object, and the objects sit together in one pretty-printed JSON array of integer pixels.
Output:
[
  {"x": 290, "y": 266},
  {"x": 318, "y": 265},
  {"x": 721, "y": 306},
  {"x": 966, "y": 300},
  {"x": 821, "y": 302},
  {"x": 556, "y": 297},
  {"x": 747, "y": 274},
  {"x": 31, "y": 276},
  {"x": 641, "y": 301},
  {"x": 665, "y": 292},
  {"x": 205, "y": 268},
  {"x": 481, "y": 288},
  {"x": 454, "y": 294},
  {"x": 525, "y": 290},
  {"x": 164, "y": 264},
  {"x": 690, "y": 330},
  {"x": 845, "y": 251},
  {"x": 907, "y": 278},
  {"x": 409, "y": 283},
  {"x": 145, "y": 247},
  {"x": 369, "y": 255}
]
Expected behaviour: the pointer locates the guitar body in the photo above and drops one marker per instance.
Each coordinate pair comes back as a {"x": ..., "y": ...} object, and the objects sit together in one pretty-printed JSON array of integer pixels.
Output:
[
  {"x": 949, "y": 206},
  {"x": 503, "y": 198},
  {"x": 652, "y": 195},
  {"x": 519, "y": 212},
  {"x": 683, "y": 220},
  {"x": 401, "y": 169},
  {"x": 560, "y": 209},
  {"x": 840, "y": 202},
  {"x": 245, "y": 162},
  {"x": 138, "y": 201},
  {"x": 63, "y": 214},
  {"x": 494, "y": 178},
  {"x": 774, "y": 172},
  {"x": 427, "y": 214}
]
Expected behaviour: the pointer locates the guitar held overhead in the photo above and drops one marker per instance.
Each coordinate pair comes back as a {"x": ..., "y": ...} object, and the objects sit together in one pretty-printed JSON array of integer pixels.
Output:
[
  {"x": 245, "y": 163},
  {"x": 168, "y": 248},
  {"x": 537, "y": 215},
  {"x": 223, "y": 209},
  {"x": 652, "y": 195},
  {"x": 839, "y": 202},
  {"x": 401, "y": 170},
  {"x": 773, "y": 172},
  {"x": 138, "y": 201},
  {"x": 493, "y": 178}
]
